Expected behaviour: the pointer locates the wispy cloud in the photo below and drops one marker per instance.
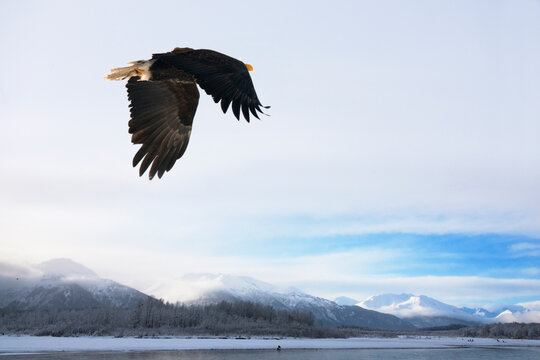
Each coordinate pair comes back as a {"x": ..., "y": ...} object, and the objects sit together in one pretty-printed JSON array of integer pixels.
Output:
[
  {"x": 14, "y": 270},
  {"x": 531, "y": 271},
  {"x": 525, "y": 249}
]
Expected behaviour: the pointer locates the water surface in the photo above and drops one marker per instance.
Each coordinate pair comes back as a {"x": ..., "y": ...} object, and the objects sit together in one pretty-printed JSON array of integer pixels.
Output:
[{"x": 342, "y": 354}]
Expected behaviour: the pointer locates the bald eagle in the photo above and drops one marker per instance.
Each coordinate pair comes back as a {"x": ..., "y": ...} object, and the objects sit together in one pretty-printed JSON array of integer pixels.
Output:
[{"x": 164, "y": 97}]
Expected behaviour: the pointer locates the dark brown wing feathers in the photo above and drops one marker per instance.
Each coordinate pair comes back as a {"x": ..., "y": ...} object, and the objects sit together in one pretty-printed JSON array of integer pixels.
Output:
[
  {"x": 161, "y": 117},
  {"x": 223, "y": 77},
  {"x": 163, "y": 108}
]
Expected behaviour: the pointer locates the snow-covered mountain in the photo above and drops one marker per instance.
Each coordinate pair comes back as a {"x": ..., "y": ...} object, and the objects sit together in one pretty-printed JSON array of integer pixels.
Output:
[
  {"x": 424, "y": 311},
  {"x": 211, "y": 288},
  {"x": 421, "y": 310},
  {"x": 409, "y": 305},
  {"x": 64, "y": 284}
]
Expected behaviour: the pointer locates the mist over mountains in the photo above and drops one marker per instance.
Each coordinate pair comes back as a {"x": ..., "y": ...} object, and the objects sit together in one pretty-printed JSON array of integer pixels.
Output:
[{"x": 62, "y": 284}]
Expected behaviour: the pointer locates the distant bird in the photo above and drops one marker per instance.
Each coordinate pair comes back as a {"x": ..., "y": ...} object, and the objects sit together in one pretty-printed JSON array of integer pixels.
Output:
[{"x": 164, "y": 97}]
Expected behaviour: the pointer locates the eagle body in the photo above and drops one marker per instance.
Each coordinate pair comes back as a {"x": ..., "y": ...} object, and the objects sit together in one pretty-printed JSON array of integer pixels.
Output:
[{"x": 163, "y": 99}]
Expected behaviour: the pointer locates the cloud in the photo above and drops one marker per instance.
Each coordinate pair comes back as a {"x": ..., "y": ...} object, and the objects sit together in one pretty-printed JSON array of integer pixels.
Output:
[
  {"x": 413, "y": 310},
  {"x": 525, "y": 249},
  {"x": 191, "y": 286},
  {"x": 531, "y": 271},
  {"x": 13, "y": 275},
  {"x": 13, "y": 270},
  {"x": 531, "y": 305},
  {"x": 521, "y": 317}
]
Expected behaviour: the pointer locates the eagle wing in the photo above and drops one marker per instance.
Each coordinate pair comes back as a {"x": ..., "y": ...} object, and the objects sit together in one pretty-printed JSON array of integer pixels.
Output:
[
  {"x": 223, "y": 77},
  {"x": 161, "y": 117}
]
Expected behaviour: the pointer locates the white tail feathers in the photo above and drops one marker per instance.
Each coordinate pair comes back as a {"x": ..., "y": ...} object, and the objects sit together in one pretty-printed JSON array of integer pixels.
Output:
[{"x": 139, "y": 68}]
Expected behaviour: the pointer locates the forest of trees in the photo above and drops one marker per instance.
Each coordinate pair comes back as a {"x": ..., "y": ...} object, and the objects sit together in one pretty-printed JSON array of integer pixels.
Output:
[
  {"x": 156, "y": 317},
  {"x": 509, "y": 330}
]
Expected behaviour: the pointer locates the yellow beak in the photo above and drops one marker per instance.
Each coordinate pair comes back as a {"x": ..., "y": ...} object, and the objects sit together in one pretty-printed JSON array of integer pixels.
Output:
[{"x": 249, "y": 67}]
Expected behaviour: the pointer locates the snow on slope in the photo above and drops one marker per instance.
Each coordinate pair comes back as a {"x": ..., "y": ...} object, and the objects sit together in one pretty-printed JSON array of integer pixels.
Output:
[
  {"x": 422, "y": 311},
  {"x": 209, "y": 288},
  {"x": 64, "y": 284},
  {"x": 409, "y": 305},
  {"x": 192, "y": 287}
]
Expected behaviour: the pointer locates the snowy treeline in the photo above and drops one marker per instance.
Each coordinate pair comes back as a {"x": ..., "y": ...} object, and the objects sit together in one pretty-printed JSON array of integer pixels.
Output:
[
  {"x": 508, "y": 330},
  {"x": 155, "y": 317}
]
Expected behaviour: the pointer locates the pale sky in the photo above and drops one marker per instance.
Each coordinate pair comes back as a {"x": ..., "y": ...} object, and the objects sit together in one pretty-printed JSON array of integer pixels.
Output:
[{"x": 401, "y": 155}]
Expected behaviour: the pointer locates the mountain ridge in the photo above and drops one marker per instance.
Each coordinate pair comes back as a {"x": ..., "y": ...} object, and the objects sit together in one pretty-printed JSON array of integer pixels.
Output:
[{"x": 424, "y": 311}]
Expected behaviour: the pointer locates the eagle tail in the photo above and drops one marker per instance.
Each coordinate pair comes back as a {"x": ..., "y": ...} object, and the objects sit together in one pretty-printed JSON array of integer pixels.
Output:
[{"x": 139, "y": 68}]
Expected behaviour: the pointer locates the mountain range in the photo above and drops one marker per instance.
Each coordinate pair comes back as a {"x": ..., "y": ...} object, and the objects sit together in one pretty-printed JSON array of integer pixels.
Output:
[
  {"x": 423, "y": 311},
  {"x": 230, "y": 288},
  {"x": 64, "y": 284}
]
